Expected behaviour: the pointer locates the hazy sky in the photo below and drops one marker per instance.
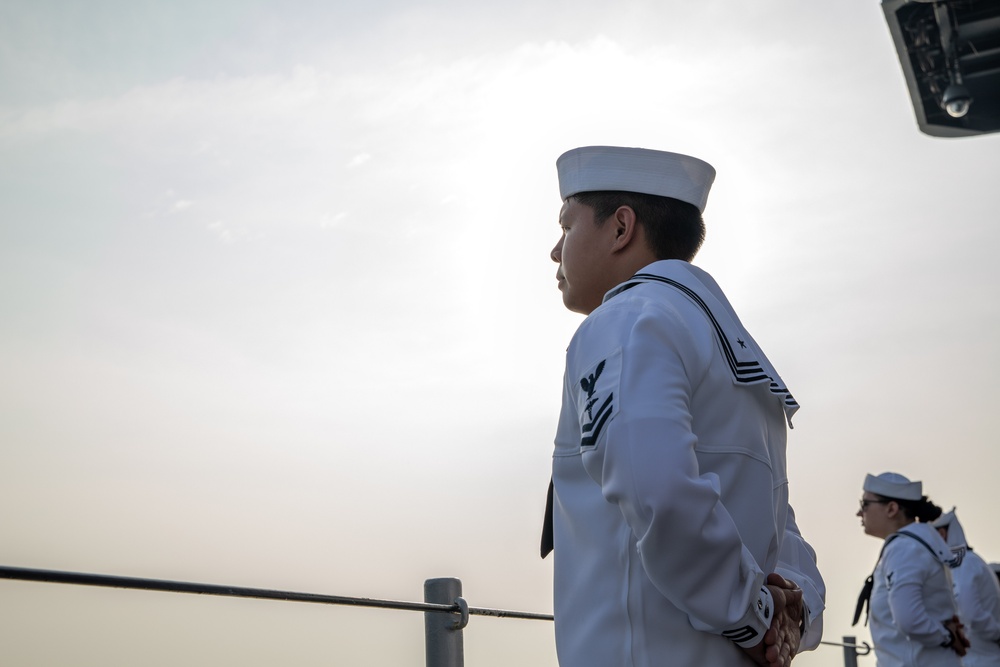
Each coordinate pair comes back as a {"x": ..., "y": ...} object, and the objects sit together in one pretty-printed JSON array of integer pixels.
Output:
[{"x": 278, "y": 311}]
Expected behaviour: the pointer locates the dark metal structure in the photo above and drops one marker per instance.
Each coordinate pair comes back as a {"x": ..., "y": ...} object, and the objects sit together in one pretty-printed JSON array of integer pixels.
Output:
[{"x": 950, "y": 54}]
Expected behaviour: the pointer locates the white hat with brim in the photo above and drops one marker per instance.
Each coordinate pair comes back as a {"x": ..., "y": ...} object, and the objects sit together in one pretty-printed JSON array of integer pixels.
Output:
[
  {"x": 605, "y": 168},
  {"x": 945, "y": 520},
  {"x": 894, "y": 485}
]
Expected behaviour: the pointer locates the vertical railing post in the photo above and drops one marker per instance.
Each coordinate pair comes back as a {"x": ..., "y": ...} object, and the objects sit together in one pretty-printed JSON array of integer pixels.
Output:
[
  {"x": 850, "y": 651},
  {"x": 443, "y": 632}
]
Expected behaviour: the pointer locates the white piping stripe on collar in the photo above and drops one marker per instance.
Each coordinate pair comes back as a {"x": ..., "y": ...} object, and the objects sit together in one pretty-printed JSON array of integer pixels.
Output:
[{"x": 744, "y": 372}]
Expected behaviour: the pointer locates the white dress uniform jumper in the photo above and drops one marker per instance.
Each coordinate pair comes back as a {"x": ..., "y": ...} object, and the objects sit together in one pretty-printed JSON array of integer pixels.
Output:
[
  {"x": 977, "y": 593},
  {"x": 911, "y": 598},
  {"x": 670, "y": 497}
]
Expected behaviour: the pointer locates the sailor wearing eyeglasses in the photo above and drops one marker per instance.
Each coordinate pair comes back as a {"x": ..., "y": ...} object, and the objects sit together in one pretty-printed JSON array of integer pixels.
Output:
[{"x": 912, "y": 610}]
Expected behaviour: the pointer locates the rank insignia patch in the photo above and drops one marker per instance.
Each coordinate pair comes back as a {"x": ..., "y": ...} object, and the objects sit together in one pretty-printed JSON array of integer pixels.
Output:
[{"x": 596, "y": 399}]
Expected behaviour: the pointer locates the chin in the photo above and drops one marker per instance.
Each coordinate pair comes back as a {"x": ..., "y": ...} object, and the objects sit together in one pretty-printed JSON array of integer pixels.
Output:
[{"x": 570, "y": 303}]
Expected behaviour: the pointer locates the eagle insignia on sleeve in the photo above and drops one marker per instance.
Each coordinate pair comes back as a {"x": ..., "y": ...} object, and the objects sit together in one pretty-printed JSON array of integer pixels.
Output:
[{"x": 597, "y": 399}]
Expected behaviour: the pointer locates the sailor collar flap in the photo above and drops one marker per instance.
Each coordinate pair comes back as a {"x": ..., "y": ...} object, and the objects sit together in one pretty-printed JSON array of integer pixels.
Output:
[
  {"x": 945, "y": 555},
  {"x": 746, "y": 360}
]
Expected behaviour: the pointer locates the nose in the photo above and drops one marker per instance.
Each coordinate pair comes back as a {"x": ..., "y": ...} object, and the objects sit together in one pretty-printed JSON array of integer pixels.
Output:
[
  {"x": 556, "y": 253},
  {"x": 858, "y": 513}
]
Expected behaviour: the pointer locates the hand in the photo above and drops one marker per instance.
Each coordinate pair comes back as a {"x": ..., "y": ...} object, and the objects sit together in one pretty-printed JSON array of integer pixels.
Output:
[
  {"x": 781, "y": 641},
  {"x": 783, "y": 637},
  {"x": 959, "y": 642}
]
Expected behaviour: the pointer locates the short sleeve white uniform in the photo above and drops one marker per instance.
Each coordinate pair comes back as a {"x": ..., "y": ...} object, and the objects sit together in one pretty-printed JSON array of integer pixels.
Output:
[{"x": 670, "y": 495}]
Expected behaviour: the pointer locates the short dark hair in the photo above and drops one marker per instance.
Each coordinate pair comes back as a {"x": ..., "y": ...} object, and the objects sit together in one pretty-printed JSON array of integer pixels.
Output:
[{"x": 674, "y": 228}]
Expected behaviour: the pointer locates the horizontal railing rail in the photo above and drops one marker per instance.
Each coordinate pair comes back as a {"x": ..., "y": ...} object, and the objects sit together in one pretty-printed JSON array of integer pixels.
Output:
[
  {"x": 443, "y": 640},
  {"x": 109, "y": 581},
  {"x": 864, "y": 648}
]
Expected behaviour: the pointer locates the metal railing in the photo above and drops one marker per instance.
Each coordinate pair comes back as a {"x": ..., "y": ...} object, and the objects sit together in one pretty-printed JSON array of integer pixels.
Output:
[
  {"x": 851, "y": 649},
  {"x": 446, "y": 612}
]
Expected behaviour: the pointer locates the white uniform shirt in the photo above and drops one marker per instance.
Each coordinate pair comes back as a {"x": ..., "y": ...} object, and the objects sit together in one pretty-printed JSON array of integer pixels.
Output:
[
  {"x": 670, "y": 498},
  {"x": 911, "y": 599},
  {"x": 977, "y": 592}
]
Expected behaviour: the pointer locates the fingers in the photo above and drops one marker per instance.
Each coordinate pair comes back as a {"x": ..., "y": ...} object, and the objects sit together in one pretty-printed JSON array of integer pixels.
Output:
[
  {"x": 782, "y": 638},
  {"x": 775, "y": 579},
  {"x": 959, "y": 642}
]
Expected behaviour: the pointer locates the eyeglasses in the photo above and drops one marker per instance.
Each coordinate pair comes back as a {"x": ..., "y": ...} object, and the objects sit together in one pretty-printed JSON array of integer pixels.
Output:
[{"x": 865, "y": 503}]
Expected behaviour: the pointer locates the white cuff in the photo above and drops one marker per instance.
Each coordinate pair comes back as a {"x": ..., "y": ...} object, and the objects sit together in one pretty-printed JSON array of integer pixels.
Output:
[{"x": 755, "y": 623}]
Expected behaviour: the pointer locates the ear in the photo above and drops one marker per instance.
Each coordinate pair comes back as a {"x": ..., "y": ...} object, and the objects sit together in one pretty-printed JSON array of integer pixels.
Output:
[{"x": 625, "y": 228}]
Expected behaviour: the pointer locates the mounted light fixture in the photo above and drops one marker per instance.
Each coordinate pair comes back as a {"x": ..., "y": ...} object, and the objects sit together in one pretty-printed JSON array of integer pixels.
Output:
[
  {"x": 956, "y": 100},
  {"x": 949, "y": 51}
]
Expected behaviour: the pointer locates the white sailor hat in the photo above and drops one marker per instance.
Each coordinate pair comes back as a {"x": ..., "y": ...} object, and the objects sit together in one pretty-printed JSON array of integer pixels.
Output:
[
  {"x": 597, "y": 168},
  {"x": 945, "y": 520},
  {"x": 894, "y": 485}
]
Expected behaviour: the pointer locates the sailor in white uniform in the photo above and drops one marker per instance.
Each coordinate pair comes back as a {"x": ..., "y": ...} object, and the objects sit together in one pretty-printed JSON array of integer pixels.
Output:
[
  {"x": 977, "y": 592},
  {"x": 913, "y": 614},
  {"x": 669, "y": 505}
]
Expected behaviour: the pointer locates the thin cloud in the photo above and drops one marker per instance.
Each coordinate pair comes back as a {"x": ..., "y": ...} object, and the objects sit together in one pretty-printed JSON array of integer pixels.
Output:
[{"x": 359, "y": 160}]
